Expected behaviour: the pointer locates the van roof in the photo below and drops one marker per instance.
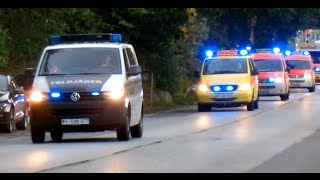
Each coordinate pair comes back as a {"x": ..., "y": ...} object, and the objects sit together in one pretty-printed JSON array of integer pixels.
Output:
[
  {"x": 298, "y": 57},
  {"x": 87, "y": 45}
]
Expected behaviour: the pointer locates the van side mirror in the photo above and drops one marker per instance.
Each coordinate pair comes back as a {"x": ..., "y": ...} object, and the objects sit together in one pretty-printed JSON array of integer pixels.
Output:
[
  {"x": 134, "y": 70},
  {"x": 288, "y": 69},
  {"x": 196, "y": 74},
  {"x": 29, "y": 72},
  {"x": 255, "y": 72}
]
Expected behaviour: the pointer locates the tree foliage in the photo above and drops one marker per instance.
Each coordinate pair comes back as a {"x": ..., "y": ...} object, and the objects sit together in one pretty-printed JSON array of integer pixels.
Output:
[{"x": 169, "y": 42}]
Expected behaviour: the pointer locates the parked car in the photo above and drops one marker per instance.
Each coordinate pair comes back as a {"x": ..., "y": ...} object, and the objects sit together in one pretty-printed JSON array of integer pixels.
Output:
[{"x": 13, "y": 107}]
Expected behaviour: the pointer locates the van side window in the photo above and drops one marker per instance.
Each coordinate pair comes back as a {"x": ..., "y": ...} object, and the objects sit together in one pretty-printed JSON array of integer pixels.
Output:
[
  {"x": 125, "y": 57},
  {"x": 131, "y": 56}
]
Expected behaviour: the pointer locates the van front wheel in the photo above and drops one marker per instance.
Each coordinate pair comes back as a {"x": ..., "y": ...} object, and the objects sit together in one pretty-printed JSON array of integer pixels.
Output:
[{"x": 123, "y": 132}]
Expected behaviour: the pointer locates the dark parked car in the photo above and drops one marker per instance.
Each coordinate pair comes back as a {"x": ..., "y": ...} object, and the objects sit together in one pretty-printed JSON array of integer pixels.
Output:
[{"x": 13, "y": 106}]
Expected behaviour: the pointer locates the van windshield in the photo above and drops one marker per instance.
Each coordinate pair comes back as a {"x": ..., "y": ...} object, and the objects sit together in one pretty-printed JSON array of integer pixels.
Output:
[
  {"x": 74, "y": 61},
  {"x": 268, "y": 65},
  {"x": 298, "y": 64},
  {"x": 225, "y": 66}
]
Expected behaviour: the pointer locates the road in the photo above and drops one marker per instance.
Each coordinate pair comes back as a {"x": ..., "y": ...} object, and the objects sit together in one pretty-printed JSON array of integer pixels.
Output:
[{"x": 228, "y": 140}]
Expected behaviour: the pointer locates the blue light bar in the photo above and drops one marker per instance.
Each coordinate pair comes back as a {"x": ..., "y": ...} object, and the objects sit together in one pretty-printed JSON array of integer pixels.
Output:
[
  {"x": 248, "y": 48},
  {"x": 116, "y": 37},
  {"x": 216, "y": 88},
  {"x": 271, "y": 79},
  {"x": 306, "y": 53},
  {"x": 72, "y": 38},
  {"x": 229, "y": 88},
  {"x": 317, "y": 69},
  {"x": 243, "y": 52},
  {"x": 55, "y": 39},
  {"x": 287, "y": 53},
  {"x": 55, "y": 95},
  {"x": 209, "y": 53},
  {"x": 95, "y": 93},
  {"x": 276, "y": 50}
]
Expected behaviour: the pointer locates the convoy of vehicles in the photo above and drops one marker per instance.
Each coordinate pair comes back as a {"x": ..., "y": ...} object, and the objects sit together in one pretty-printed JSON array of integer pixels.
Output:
[{"x": 92, "y": 82}]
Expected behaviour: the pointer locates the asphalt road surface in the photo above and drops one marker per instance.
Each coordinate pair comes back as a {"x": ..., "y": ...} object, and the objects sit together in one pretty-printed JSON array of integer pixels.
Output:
[{"x": 274, "y": 138}]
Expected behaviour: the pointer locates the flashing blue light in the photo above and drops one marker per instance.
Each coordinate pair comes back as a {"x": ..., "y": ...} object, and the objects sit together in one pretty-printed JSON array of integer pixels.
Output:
[
  {"x": 306, "y": 53},
  {"x": 55, "y": 39},
  {"x": 317, "y": 69},
  {"x": 248, "y": 48},
  {"x": 209, "y": 53},
  {"x": 243, "y": 52},
  {"x": 216, "y": 88},
  {"x": 271, "y": 79},
  {"x": 20, "y": 98},
  {"x": 95, "y": 94},
  {"x": 115, "y": 37},
  {"x": 288, "y": 53},
  {"x": 276, "y": 50},
  {"x": 55, "y": 95},
  {"x": 229, "y": 88}
]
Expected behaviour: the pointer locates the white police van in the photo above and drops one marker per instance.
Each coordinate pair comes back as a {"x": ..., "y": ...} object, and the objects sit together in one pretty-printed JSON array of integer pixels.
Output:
[{"x": 87, "y": 83}]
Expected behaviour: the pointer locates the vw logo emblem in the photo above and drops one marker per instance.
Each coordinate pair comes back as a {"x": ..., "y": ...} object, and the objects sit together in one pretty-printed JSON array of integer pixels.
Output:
[
  {"x": 75, "y": 96},
  {"x": 297, "y": 76}
]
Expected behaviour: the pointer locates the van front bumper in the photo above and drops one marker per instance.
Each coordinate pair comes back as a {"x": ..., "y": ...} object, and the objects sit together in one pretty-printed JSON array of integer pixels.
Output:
[
  {"x": 272, "y": 89},
  {"x": 236, "y": 98},
  {"x": 102, "y": 115}
]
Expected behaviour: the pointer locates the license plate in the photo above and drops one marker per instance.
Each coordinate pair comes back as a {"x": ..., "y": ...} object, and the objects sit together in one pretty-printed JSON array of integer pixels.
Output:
[
  {"x": 295, "y": 84},
  {"x": 80, "y": 121},
  {"x": 263, "y": 90},
  {"x": 223, "y": 96}
]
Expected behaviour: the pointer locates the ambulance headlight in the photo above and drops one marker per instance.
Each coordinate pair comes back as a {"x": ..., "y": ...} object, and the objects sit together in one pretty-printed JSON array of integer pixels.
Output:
[
  {"x": 203, "y": 88},
  {"x": 37, "y": 96},
  {"x": 245, "y": 86},
  {"x": 307, "y": 76},
  {"x": 114, "y": 91},
  {"x": 278, "y": 80}
]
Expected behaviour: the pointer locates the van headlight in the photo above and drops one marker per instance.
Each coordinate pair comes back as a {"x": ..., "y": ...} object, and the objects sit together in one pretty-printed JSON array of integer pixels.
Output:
[
  {"x": 307, "y": 76},
  {"x": 114, "y": 91},
  {"x": 37, "y": 96},
  {"x": 203, "y": 88},
  {"x": 245, "y": 86},
  {"x": 278, "y": 80}
]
